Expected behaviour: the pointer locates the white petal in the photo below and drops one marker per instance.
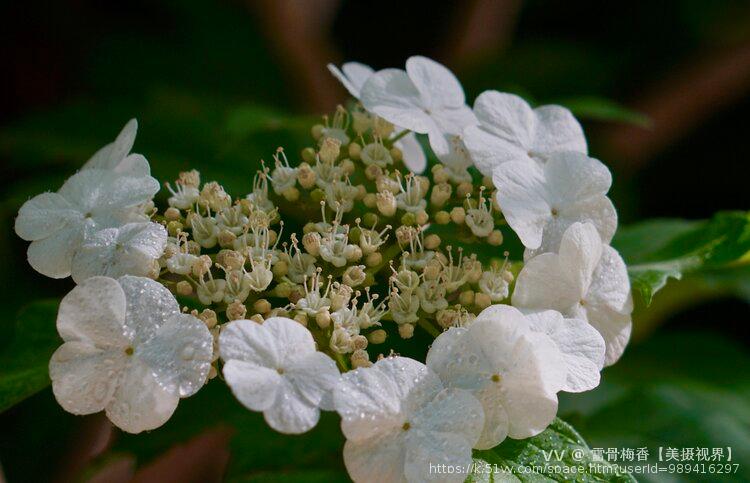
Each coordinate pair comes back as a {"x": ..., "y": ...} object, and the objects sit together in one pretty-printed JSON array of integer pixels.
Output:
[
  {"x": 140, "y": 403},
  {"x": 135, "y": 165},
  {"x": 149, "y": 305},
  {"x": 507, "y": 116},
  {"x": 436, "y": 84},
  {"x": 293, "y": 339},
  {"x": 454, "y": 120},
  {"x": 413, "y": 383},
  {"x": 390, "y": 94},
  {"x": 290, "y": 413},
  {"x": 557, "y": 130},
  {"x": 110, "y": 156},
  {"x": 353, "y": 77},
  {"x": 378, "y": 458},
  {"x": 94, "y": 312},
  {"x": 350, "y": 87},
  {"x": 489, "y": 151},
  {"x": 415, "y": 159},
  {"x": 314, "y": 376},
  {"x": 581, "y": 345},
  {"x": 574, "y": 177},
  {"x": 52, "y": 256},
  {"x": 522, "y": 196},
  {"x": 84, "y": 377},
  {"x": 543, "y": 284},
  {"x": 451, "y": 411},
  {"x": 614, "y": 327},
  {"x": 245, "y": 340},
  {"x": 253, "y": 385},
  {"x": 179, "y": 355},
  {"x": 44, "y": 215},
  {"x": 580, "y": 251},
  {"x": 100, "y": 192},
  {"x": 496, "y": 423},
  {"x": 427, "y": 452}
]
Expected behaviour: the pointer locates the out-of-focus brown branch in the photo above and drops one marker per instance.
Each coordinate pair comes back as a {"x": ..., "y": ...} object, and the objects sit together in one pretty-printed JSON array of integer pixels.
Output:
[
  {"x": 679, "y": 102},
  {"x": 94, "y": 435},
  {"x": 298, "y": 31},
  {"x": 482, "y": 29}
]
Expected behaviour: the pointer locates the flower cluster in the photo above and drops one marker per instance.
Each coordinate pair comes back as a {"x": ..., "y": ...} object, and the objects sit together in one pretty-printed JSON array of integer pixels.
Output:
[{"x": 294, "y": 290}]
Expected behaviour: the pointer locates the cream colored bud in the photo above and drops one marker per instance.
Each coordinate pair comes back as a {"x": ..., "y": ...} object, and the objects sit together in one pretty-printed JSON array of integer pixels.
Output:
[
  {"x": 323, "y": 319},
  {"x": 280, "y": 268},
  {"x": 447, "y": 318},
  {"x": 382, "y": 128},
  {"x": 464, "y": 189},
  {"x": 386, "y": 203},
  {"x": 184, "y": 288},
  {"x": 202, "y": 265},
  {"x": 466, "y": 298},
  {"x": 262, "y": 306},
  {"x": 432, "y": 241},
  {"x": 236, "y": 310},
  {"x": 207, "y": 316},
  {"x": 226, "y": 238},
  {"x": 360, "y": 358},
  {"x": 439, "y": 175},
  {"x": 190, "y": 178},
  {"x": 257, "y": 318},
  {"x": 193, "y": 247},
  {"x": 360, "y": 342},
  {"x": 348, "y": 166},
  {"x": 442, "y": 217},
  {"x": 354, "y": 276},
  {"x": 291, "y": 194},
  {"x": 377, "y": 336},
  {"x": 354, "y": 150},
  {"x": 172, "y": 214},
  {"x": 482, "y": 300},
  {"x": 422, "y": 217},
  {"x": 388, "y": 183},
  {"x": 311, "y": 242},
  {"x": 373, "y": 172},
  {"x": 352, "y": 253},
  {"x": 405, "y": 234},
  {"x": 495, "y": 238},
  {"x": 370, "y": 200},
  {"x": 361, "y": 192},
  {"x": 406, "y": 331},
  {"x": 306, "y": 176},
  {"x": 330, "y": 150},
  {"x": 301, "y": 318},
  {"x": 373, "y": 259},
  {"x": 441, "y": 193},
  {"x": 396, "y": 154},
  {"x": 174, "y": 227},
  {"x": 360, "y": 122},
  {"x": 317, "y": 130},
  {"x": 233, "y": 260},
  {"x": 458, "y": 215}
]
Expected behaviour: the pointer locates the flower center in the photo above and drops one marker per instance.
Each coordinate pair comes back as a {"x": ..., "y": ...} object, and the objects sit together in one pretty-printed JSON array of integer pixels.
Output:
[
  {"x": 129, "y": 351},
  {"x": 280, "y": 370},
  {"x": 496, "y": 378},
  {"x": 406, "y": 426},
  {"x": 554, "y": 212}
]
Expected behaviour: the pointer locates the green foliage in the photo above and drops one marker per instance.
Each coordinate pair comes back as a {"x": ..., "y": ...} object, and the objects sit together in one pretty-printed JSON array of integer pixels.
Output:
[
  {"x": 602, "y": 109},
  {"x": 24, "y": 359},
  {"x": 661, "y": 249},
  {"x": 559, "y": 450}
]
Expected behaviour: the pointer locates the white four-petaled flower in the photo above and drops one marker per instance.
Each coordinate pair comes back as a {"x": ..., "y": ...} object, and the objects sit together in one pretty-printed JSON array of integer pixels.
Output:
[
  {"x": 353, "y": 76},
  {"x": 513, "y": 371},
  {"x": 132, "y": 249},
  {"x": 510, "y": 130},
  {"x": 128, "y": 351},
  {"x": 426, "y": 98},
  {"x": 541, "y": 200},
  {"x": 588, "y": 280},
  {"x": 400, "y": 421},
  {"x": 274, "y": 368}
]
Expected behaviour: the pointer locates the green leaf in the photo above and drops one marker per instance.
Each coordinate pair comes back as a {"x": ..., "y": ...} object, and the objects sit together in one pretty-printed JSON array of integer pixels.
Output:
[
  {"x": 601, "y": 109},
  {"x": 557, "y": 454},
  {"x": 661, "y": 249},
  {"x": 24, "y": 360}
]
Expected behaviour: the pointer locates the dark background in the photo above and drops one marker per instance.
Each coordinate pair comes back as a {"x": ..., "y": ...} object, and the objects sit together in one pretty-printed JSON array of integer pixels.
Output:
[{"x": 218, "y": 85}]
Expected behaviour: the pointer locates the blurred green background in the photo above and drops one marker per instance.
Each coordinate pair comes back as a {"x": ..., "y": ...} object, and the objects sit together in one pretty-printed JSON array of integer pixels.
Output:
[{"x": 662, "y": 89}]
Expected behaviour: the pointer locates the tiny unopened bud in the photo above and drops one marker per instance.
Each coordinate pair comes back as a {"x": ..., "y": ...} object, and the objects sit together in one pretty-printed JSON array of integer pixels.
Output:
[
  {"x": 370, "y": 219},
  {"x": 305, "y": 175},
  {"x": 422, "y": 217},
  {"x": 466, "y": 298},
  {"x": 226, "y": 238},
  {"x": 318, "y": 195},
  {"x": 432, "y": 241},
  {"x": 233, "y": 260},
  {"x": 291, "y": 194},
  {"x": 370, "y": 200},
  {"x": 184, "y": 288},
  {"x": 409, "y": 219},
  {"x": 360, "y": 342},
  {"x": 441, "y": 193},
  {"x": 262, "y": 306},
  {"x": 257, "y": 318},
  {"x": 396, "y": 154},
  {"x": 348, "y": 166},
  {"x": 482, "y": 300},
  {"x": 190, "y": 178},
  {"x": 202, "y": 265},
  {"x": 317, "y": 130},
  {"x": 352, "y": 253},
  {"x": 360, "y": 358},
  {"x": 354, "y": 150},
  {"x": 373, "y": 259},
  {"x": 354, "y": 276},
  {"x": 495, "y": 238},
  {"x": 464, "y": 189},
  {"x": 442, "y": 217},
  {"x": 301, "y": 318},
  {"x": 458, "y": 215},
  {"x": 172, "y": 214},
  {"x": 439, "y": 175},
  {"x": 373, "y": 172},
  {"x": 323, "y": 319},
  {"x": 382, "y": 128},
  {"x": 174, "y": 227},
  {"x": 193, "y": 247},
  {"x": 308, "y": 155},
  {"x": 208, "y": 317},
  {"x": 377, "y": 336},
  {"x": 360, "y": 122},
  {"x": 406, "y": 331},
  {"x": 386, "y": 203},
  {"x": 330, "y": 150},
  {"x": 236, "y": 310},
  {"x": 280, "y": 268},
  {"x": 311, "y": 242}
]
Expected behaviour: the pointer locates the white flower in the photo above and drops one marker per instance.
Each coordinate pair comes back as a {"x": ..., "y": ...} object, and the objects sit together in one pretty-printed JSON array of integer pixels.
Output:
[
  {"x": 92, "y": 199},
  {"x": 540, "y": 201},
  {"x": 581, "y": 345},
  {"x": 399, "y": 420},
  {"x": 514, "y": 372},
  {"x": 131, "y": 249},
  {"x": 510, "y": 130},
  {"x": 353, "y": 77},
  {"x": 116, "y": 156},
  {"x": 129, "y": 351},
  {"x": 274, "y": 368},
  {"x": 427, "y": 99},
  {"x": 586, "y": 280}
]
